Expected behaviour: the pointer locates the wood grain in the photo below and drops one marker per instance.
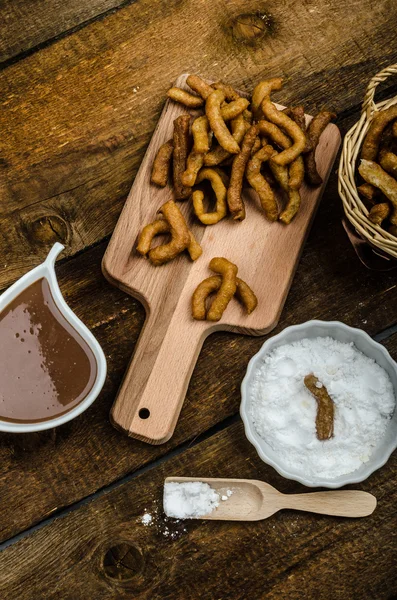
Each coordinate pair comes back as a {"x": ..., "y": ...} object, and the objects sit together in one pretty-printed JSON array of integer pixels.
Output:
[
  {"x": 77, "y": 115},
  {"x": 75, "y": 119},
  {"x": 24, "y": 25},
  {"x": 154, "y": 387},
  {"x": 290, "y": 555},
  {"x": 88, "y": 453}
]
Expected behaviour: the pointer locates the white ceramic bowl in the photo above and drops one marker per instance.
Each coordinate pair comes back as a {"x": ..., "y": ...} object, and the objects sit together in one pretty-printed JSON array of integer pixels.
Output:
[
  {"x": 47, "y": 270},
  {"x": 343, "y": 333}
]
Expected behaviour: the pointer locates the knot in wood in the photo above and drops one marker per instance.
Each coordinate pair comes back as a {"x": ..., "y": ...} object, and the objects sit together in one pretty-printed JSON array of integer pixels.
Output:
[
  {"x": 122, "y": 562},
  {"x": 48, "y": 230},
  {"x": 250, "y": 28}
]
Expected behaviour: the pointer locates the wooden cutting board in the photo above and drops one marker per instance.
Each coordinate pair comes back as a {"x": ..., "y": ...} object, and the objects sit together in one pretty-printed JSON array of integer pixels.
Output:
[{"x": 154, "y": 387}]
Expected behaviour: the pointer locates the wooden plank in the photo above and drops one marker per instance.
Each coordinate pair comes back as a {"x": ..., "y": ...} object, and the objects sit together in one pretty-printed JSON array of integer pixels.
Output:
[
  {"x": 159, "y": 374},
  {"x": 88, "y": 453},
  {"x": 26, "y": 25},
  {"x": 77, "y": 115},
  {"x": 104, "y": 551}
]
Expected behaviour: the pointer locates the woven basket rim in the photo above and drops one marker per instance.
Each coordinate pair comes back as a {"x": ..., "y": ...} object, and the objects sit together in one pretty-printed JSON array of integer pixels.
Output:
[{"x": 354, "y": 208}]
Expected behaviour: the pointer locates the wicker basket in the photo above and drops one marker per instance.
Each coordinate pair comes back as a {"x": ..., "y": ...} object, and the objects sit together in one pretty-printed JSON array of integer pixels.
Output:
[{"x": 354, "y": 208}]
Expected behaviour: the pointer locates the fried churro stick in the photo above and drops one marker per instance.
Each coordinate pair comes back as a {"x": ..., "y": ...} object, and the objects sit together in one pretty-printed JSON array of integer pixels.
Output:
[
  {"x": 263, "y": 89},
  {"x": 201, "y": 134},
  {"x": 220, "y": 191},
  {"x": 292, "y": 207},
  {"x": 211, "y": 285},
  {"x": 234, "y": 199},
  {"x": 259, "y": 183},
  {"x": 194, "y": 162},
  {"x": 227, "y": 290},
  {"x": 180, "y": 236},
  {"x": 161, "y": 164},
  {"x": 379, "y": 213},
  {"x": 239, "y": 127},
  {"x": 194, "y": 248},
  {"x": 367, "y": 191},
  {"x": 234, "y": 109},
  {"x": 297, "y": 114},
  {"x": 296, "y": 173},
  {"x": 246, "y": 296},
  {"x": 181, "y": 149},
  {"x": 218, "y": 126},
  {"x": 230, "y": 93},
  {"x": 183, "y": 97},
  {"x": 247, "y": 114},
  {"x": 272, "y": 131},
  {"x": 282, "y": 176},
  {"x": 161, "y": 226},
  {"x": 296, "y": 168},
  {"x": 148, "y": 233},
  {"x": 201, "y": 293},
  {"x": 375, "y": 175},
  {"x": 198, "y": 85},
  {"x": 257, "y": 145},
  {"x": 388, "y": 162},
  {"x": 372, "y": 140},
  {"x": 280, "y": 173},
  {"x": 325, "y": 408},
  {"x": 314, "y": 131},
  {"x": 290, "y": 127}
]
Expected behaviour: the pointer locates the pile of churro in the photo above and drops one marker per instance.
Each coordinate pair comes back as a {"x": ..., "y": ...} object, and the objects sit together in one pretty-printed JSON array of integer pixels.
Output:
[
  {"x": 239, "y": 142},
  {"x": 378, "y": 169},
  {"x": 229, "y": 142}
]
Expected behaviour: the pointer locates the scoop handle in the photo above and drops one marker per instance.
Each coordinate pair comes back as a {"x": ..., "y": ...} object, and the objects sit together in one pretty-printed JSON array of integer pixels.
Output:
[
  {"x": 342, "y": 503},
  {"x": 154, "y": 387}
]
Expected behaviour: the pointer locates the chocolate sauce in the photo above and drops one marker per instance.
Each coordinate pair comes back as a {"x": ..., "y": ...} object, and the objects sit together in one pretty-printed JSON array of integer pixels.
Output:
[{"x": 46, "y": 367}]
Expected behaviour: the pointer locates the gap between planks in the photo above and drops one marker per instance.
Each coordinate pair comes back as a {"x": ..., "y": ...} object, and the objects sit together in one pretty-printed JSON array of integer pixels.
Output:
[
  {"x": 53, "y": 40},
  {"x": 218, "y": 427}
]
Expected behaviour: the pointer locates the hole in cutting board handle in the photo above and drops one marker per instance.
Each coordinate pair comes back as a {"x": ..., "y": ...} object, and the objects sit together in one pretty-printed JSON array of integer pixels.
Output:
[{"x": 144, "y": 413}]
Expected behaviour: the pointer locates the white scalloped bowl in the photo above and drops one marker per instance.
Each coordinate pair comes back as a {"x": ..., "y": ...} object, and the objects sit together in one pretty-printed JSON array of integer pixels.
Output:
[
  {"x": 343, "y": 333},
  {"x": 47, "y": 270}
]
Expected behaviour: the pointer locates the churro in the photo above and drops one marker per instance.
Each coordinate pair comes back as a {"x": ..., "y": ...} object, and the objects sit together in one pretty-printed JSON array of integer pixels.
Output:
[
  {"x": 370, "y": 147},
  {"x": 314, "y": 131},
  {"x": 290, "y": 127},
  {"x": 263, "y": 89},
  {"x": 212, "y": 284},
  {"x": 161, "y": 164},
  {"x": 379, "y": 212},
  {"x": 219, "y": 188},
  {"x": 181, "y": 150},
  {"x": 227, "y": 284},
  {"x": 184, "y": 97},
  {"x": 234, "y": 199},
  {"x": 325, "y": 408},
  {"x": 259, "y": 183},
  {"x": 375, "y": 175},
  {"x": 218, "y": 126}
]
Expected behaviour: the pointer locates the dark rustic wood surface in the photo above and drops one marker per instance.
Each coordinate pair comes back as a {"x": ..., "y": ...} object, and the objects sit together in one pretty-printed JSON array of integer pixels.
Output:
[{"x": 81, "y": 90}]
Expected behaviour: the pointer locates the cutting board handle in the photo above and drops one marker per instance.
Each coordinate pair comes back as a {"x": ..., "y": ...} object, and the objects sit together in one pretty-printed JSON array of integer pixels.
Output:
[{"x": 154, "y": 387}]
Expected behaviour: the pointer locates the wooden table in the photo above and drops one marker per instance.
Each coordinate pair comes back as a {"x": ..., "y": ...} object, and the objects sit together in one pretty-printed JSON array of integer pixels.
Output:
[{"x": 82, "y": 87}]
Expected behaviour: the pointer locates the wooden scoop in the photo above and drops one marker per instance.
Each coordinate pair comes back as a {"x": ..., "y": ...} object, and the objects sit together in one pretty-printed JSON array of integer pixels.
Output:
[{"x": 253, "y": 500}]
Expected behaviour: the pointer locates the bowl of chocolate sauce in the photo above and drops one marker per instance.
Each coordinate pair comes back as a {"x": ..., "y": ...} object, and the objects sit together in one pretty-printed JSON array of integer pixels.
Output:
[{"x": 51, "y": 366}]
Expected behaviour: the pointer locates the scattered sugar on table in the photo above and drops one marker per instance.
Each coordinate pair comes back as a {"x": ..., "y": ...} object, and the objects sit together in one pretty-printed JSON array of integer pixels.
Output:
[
  {"x": 189, "y": 500},
  {"x": 284, "y": 412},
  {"x": 146, "y": 519}
]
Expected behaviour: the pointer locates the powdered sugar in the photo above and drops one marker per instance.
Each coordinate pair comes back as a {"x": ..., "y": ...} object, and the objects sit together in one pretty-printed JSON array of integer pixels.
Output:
[
  {"x": 146, "y": 519},
  {"x": 284, "y": 411},
  {"x": 189, "y": 499}
]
